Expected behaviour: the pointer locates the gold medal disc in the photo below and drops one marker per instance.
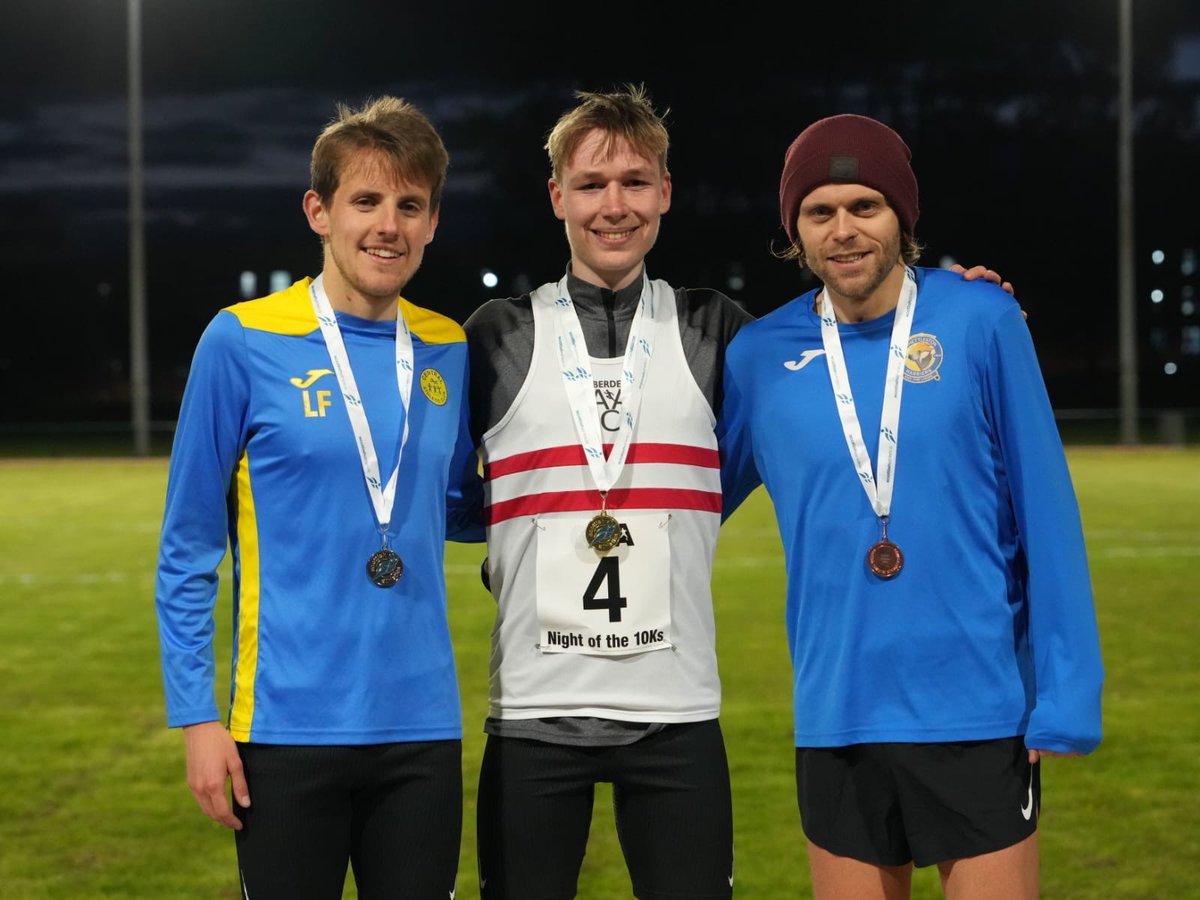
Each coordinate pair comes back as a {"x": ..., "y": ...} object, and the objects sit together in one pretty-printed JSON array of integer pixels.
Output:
[{"x": 603, "y": 532}]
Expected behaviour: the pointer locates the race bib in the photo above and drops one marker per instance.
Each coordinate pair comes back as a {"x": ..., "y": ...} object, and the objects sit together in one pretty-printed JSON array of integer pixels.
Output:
[{"x": 604, "y": 604}]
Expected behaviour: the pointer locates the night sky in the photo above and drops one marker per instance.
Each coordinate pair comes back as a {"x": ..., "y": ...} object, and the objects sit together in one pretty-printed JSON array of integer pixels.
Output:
[{"x": 1010, "y": 110}]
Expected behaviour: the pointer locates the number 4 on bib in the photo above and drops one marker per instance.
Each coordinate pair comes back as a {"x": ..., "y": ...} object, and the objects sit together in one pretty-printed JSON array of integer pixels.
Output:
[{"x": 611, "y": 605}]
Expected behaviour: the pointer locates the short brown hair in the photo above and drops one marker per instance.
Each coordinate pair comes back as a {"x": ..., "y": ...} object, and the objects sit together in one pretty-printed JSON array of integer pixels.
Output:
[
  {"x": 625, "y": 114},
  {"x": 394, "y": 127}
]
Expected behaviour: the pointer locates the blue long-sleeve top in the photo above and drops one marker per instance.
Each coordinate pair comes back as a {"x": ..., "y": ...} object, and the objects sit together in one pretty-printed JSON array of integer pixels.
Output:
[
  {"x": 989, "y": 630},
  {"x": 265, "y": 464}
]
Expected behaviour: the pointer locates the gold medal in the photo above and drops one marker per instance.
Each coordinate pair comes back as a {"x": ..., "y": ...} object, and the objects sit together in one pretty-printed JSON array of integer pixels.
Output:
[
  {"x": 603, "y": 532},
  {"x": 885, "y": 559}
]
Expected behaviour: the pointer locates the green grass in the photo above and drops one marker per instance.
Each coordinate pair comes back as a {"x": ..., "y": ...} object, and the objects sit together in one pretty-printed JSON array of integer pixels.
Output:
[{"x": 93, "y": 801}]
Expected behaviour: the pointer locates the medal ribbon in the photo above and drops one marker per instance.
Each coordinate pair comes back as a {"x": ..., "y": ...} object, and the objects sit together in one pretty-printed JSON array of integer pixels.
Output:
[
  {"x": 885, "y": 467},
  {"x": 580, "y": 385},
  {"x": 382, "y": 496}
]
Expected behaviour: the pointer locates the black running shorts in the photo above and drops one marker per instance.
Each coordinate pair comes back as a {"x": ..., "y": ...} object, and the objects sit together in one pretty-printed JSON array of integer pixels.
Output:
[
  {"x": 891, "y": 804},
  {"x": 391, "y": 811}
]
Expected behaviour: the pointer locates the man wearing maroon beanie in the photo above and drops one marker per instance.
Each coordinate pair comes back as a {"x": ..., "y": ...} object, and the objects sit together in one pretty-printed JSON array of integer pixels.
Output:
[
  {"x": 939, "y": 606},
  {"x": 849, "y": 149}
]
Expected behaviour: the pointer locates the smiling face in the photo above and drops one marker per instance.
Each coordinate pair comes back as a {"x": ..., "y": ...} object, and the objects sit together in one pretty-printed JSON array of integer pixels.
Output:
[
  {"x": 851, "y": 240},
  {"x": 374, "y": 229},
  {"x": 612, "y": 203}
]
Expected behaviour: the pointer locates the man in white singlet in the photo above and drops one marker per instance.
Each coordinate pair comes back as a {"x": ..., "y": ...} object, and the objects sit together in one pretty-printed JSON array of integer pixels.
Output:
[{"x": 594, "y": 402}]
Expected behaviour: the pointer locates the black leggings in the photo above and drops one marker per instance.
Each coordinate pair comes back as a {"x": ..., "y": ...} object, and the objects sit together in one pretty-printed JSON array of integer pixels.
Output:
[
  {"x": 671, "y": 802},
  {"x": 392, "y": 811}
]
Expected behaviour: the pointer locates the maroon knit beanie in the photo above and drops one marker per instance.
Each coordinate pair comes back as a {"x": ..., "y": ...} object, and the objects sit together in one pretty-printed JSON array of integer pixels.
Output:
[{"x": 848, "y": 149}]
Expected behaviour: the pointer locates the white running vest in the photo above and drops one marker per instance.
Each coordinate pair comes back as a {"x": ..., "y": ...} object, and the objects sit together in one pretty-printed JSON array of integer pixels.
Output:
[{"x": 621, "y": 635}]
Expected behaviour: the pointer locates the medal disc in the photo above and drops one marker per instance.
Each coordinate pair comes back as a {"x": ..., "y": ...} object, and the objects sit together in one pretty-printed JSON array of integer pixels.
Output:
[
  {"x": 885, "y": 559},
  {"x": 385, "y": 568},
  {"x": 603, "y": 532}
]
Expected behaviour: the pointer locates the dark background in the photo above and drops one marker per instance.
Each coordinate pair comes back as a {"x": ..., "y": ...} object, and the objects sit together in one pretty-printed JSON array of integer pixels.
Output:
[{"x": 1010, "y": 110}]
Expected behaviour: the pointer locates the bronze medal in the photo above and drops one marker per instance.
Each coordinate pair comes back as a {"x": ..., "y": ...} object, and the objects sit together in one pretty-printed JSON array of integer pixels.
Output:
[
  {"x": 885, "y": 559},
  {"x": 603, "y": 532},
  {"x": 385, "y": 567}
]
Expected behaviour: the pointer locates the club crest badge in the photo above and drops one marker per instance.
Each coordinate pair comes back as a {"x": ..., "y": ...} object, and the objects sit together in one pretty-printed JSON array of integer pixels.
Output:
[
  {"x": 923, "y": 360},
  {"x": 434, "y": 386}
]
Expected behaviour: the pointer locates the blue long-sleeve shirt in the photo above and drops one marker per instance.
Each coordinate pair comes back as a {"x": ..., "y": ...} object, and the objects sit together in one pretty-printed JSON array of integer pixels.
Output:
[
  {"x": 989, "y": 630},
  {"x": 265, "y": 463}
]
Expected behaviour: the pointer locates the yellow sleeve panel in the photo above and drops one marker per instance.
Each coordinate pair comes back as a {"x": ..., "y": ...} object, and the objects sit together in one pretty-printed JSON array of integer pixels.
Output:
[
  {"x": 288, "y": 311},
  {"x": 431, "y": 327}
]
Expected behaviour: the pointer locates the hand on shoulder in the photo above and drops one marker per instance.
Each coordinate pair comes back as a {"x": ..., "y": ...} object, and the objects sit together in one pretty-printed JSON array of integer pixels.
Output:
[{"x": 977, "y": 272}]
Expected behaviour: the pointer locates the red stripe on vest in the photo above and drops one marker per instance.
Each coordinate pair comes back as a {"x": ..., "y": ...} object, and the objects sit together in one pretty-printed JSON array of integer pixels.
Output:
[
  {"x": 623, "y": 498},
  {"x": 572, "y": 455}
]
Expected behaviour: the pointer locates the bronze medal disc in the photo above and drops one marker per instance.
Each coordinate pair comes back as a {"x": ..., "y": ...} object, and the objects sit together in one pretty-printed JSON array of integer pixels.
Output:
[
  {"x": 885, "y": 559},
  {"x": 384, "y": 568},
  {"x": 603, "y": 532}
]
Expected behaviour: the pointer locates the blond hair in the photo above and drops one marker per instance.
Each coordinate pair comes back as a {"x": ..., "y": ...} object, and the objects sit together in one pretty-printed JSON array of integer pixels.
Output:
[{"x": 624, "y": 115}]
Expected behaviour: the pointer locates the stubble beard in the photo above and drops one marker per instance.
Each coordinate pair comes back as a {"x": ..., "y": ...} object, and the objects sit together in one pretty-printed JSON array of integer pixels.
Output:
[
  {"x": 352, "y": 280},
  {"x": 855, "y": 287}
]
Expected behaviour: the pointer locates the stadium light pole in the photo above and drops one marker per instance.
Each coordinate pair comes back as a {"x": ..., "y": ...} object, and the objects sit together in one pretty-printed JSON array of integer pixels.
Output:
[
  {"x": 1126, "y": 311},
  {"x": 139, "y": 379}
]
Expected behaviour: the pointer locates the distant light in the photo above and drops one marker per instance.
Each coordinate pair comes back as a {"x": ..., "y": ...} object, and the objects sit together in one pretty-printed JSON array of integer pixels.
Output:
[
  {"x": 248, "y": 284},
  {"x": 1187, "y": 307},
  {"x": 1170, "y": 368},
  {"x": 947, "y": 261},
  {"x": 1156, "y": 296},
  {"x": 1158, "y": 256},
  {"x": 735, "y": 275},
  {"x": 1187, "y": 264},
  {"x": 489, "y": 278},
  {"x": 281, "y": 279}
]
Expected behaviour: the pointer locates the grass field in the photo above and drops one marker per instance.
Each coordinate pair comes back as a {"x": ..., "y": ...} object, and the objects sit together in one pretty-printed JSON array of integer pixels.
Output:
[{"x": 92, "y": 796}]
